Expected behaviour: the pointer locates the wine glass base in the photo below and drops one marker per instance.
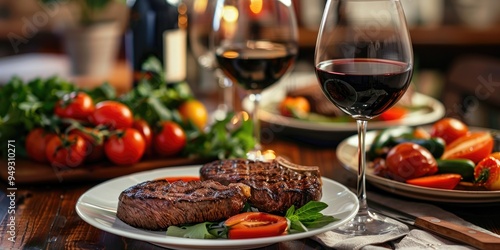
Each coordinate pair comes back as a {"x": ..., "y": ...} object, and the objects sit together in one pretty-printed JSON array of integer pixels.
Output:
[{"x": 366, "y": 224}]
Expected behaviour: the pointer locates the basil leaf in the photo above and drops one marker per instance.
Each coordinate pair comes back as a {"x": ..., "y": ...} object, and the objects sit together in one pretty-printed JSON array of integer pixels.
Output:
[
  {"x": 310, "y": 208},
  {"x": 204, "y": 230},
  {"x": 320, "y": 222},
  {"x": 308, "y": 216}
]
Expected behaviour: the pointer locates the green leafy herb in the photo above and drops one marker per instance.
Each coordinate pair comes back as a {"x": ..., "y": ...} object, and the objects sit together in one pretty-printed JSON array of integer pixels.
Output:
[
  {"x": 24, "y": 106},
  {"x": 308, "y": 216},
  {"x": 224, "y": 139},
  {"x": 204, "y": 230}
]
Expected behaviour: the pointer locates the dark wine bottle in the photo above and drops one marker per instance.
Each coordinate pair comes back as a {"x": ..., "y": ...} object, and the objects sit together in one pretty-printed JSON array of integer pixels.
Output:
[{"x": 154, "y": 30}]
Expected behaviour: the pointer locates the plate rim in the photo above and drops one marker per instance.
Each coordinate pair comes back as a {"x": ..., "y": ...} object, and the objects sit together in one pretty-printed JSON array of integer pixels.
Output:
[
  {"x": 411, "y": 191},
  {"x": 180, "y": 243}
]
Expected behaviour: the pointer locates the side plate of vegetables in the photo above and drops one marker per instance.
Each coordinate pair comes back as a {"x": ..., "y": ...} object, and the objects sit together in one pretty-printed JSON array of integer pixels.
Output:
[{"x": 446, "y": 161}]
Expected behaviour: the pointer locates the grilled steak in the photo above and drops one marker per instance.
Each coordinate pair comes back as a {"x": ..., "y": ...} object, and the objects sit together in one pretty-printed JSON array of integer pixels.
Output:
[
  {"x": 275, "y": 186},
  {"x": 156, "y": 205}
]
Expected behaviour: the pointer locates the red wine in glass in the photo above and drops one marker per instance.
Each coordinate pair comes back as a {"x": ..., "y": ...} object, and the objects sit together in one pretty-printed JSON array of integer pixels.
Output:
[
  {"x": 255, "y": 68},
  {"x": 363, "y": 88}
]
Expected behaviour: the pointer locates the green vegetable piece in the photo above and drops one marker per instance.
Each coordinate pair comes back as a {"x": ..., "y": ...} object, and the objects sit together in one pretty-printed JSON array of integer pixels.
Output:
[
  {"x": 308, "y": 216},
  {"x": 196, "y": 231},
  {"x": 463, "y": 167},
  {"x": 435, "y": 145},
  {"x": 384, "y": 139}
]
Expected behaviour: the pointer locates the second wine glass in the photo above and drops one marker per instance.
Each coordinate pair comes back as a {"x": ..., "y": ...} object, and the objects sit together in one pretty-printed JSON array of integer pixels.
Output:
[
  {"x": 255, "y": 44},
  {"x": 364, "y": 63},
  {"x": 201, "y": 13}
]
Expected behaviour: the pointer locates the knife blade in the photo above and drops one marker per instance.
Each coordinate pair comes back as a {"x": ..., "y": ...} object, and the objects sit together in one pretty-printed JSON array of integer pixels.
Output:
[{"x": 441, "y": 227}]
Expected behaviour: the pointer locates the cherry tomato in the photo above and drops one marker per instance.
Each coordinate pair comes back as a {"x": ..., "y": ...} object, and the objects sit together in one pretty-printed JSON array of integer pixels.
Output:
[
  {"x": 474, "y": 146},
  {"x": 75, "y": 105},
  {"x": 125, "y": 147},
  {"x": 442, "y": 181},
  {"x": 36, "y": 142},
  {"x": 394, "y": 113},
  {"x": 143, "y": 127},
  {"x": 170, "y": 140},
  {"x": 409, "y": 160},
  {"x": 66, "y": 151},
  {"x": 194, "y": 111},
  {"x": 94, "y": 141},
  {"x": 294, "y": 106},
  {"x": 255, "y": 224},
  {"x": 487, "y": 173},
  {"x": 449, "y": 129},
  {"x": 114, "y": 115}
]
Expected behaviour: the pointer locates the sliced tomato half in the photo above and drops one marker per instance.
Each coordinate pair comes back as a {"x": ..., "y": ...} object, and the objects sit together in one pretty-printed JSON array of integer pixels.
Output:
[
  {"x": 255, "y": 225},
  {"x": 474, "y": 146}
]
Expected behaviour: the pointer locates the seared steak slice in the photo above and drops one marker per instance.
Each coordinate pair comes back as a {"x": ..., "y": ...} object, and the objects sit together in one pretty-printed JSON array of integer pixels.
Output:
[
  {"x": 156, "y": 205},
  {"x": 275, "y": 185}
]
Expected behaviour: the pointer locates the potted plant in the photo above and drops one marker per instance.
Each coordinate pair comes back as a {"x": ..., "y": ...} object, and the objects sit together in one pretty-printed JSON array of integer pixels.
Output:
[{"x": 91, "y": 33}]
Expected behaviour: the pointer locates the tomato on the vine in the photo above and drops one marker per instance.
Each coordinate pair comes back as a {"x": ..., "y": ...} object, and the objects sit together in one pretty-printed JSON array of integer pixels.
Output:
[
  {"x": 125, "y": 147},
  {"x": 170, "y": 139},
  {"x": 66, "y": 151},
  {"x": 255, "y": 224},
  {"x": 94, "y": 141},
  {"x": 36, "y": 142},
  {"x": 409, "y": 160},
  {"x": 75, "y": 105},
  {"x": 114, "y": 115},
  {"x": 143, "y": 127},
  {"x": 449, "y": 129},
  {"x": 474, "y": 146}
]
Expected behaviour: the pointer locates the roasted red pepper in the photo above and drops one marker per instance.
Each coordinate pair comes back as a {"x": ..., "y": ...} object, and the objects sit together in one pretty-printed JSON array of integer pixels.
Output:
[
  {"x": 487, "y": 173},
  {"x": 442, "y": 181}
]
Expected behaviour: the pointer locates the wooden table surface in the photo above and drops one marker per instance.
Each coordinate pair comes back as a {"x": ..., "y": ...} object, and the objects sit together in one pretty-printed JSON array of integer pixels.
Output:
[{"x": 45, "y": 216}]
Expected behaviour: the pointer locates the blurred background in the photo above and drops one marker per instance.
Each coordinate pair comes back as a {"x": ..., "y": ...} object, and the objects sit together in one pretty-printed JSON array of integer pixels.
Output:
[{"x": 456, "y": 46}]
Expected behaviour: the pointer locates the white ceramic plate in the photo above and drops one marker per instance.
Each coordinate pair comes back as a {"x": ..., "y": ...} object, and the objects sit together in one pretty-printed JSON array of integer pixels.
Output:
[
  {"x": 274, "y": 95},
  {"x": 346, "y": 153},
  {"x": 98, "y": 207}
]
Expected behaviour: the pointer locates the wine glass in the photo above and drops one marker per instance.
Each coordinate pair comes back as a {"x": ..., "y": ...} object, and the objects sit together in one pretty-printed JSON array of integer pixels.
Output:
[
  {"x": 255, "y": 43},
  {"x": 201, "y": 14},
  {"x": 364, "y": 64}
]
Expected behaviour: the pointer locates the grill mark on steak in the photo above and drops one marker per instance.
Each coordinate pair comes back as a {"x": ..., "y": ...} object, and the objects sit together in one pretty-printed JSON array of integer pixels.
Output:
[
  {"x": 158, "y": 204},
  {"x": 275, "y": 185}
]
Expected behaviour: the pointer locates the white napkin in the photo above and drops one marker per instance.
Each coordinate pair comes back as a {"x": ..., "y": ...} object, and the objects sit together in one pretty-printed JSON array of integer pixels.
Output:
[{"x": 404, "y": 237}]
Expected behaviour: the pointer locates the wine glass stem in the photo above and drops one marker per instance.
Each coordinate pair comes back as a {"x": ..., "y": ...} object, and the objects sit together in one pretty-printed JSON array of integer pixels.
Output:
[
  {"x": 227, "y": 88},
  {"x": 361, "y": 188},
  {"x": 256, "y": 97}
]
